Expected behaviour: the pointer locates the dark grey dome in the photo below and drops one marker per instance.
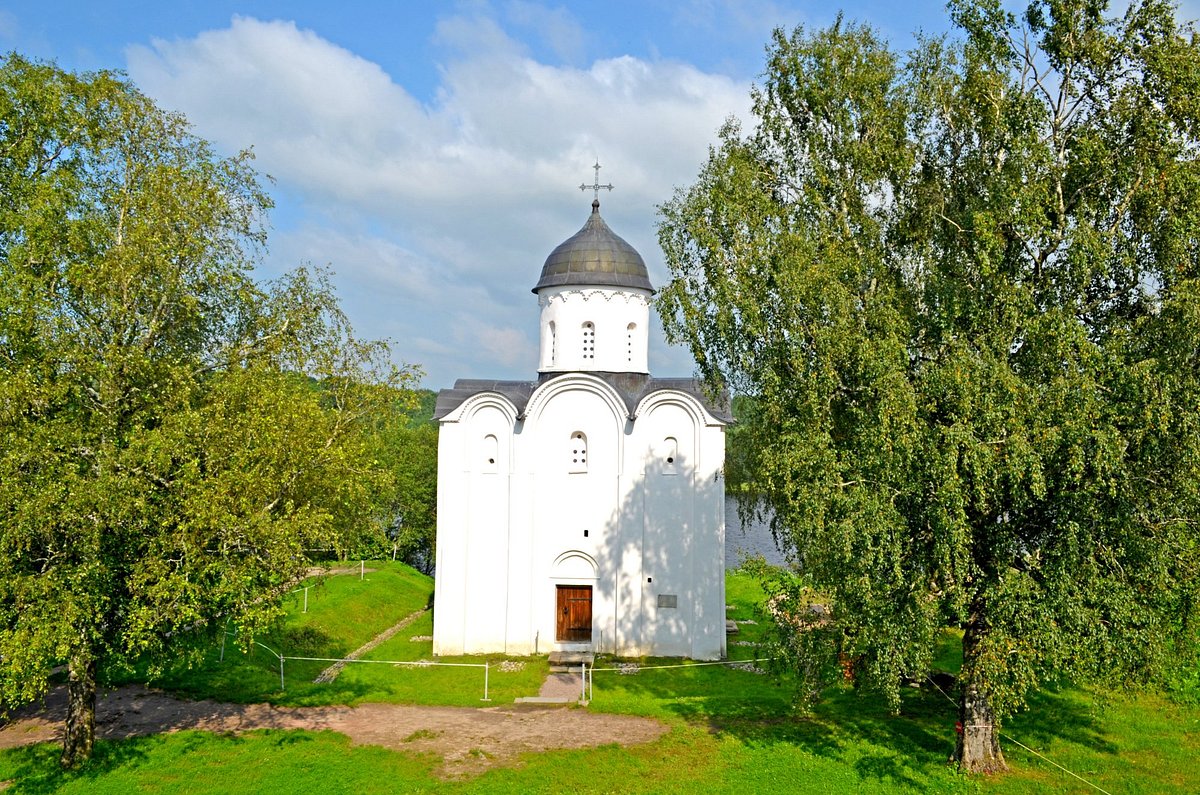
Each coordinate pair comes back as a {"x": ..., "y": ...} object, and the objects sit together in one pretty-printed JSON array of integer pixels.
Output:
[{"x": 594, "y": 256}]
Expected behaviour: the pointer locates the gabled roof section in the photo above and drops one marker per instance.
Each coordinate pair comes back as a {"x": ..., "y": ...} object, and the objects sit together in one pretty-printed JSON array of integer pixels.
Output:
[
  {"x": 632, "y": 388},
  {"x": 517, "y": 392}
]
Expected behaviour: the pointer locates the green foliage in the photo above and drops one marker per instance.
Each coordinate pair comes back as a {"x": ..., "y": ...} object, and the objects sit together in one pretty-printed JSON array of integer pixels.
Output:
[
  {"x": 165, "y": 463},
  {"x": 422, "y": 411},
  {"x": 405, "y": 443},
  {"x": 960, "y": 291},
  {"x": 739, "y": 451}
]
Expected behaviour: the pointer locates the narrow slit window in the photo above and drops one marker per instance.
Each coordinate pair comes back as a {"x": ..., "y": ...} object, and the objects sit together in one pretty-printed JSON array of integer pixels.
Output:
[
  {"x": 577, "y": 452},
  {"x": 669, "y": 456},
  {"x": 629, "y": 330},
  {"x": 490, "y": 454},
  {"x": 553, "y": 345}
]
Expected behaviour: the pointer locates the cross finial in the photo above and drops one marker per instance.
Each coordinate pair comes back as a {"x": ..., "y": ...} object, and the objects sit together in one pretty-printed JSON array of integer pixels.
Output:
[{"x": 595, "y": 187}]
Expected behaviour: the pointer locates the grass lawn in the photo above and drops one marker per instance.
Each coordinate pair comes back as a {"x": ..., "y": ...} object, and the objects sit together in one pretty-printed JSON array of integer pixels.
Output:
[
  {"x": 731, "y": 730},
  {"x": 345, "y": 612},
  {"x": 203, "y": 762}
]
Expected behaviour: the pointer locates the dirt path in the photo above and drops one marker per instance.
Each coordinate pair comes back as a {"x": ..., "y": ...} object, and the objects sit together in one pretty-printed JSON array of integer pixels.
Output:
[
  {"x": 331, "y": 673},
  {"x": 468, "y": 740}
]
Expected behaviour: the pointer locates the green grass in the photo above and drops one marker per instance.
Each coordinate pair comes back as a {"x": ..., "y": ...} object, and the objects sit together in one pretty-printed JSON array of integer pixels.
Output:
[
  {"x": 344, "y": 613},
  {"x": 191, "y": 762},
  {"x": 730, "y": 731},
  {"x": 1139, "y": 743},
  {"x": 449, "y": 686}
]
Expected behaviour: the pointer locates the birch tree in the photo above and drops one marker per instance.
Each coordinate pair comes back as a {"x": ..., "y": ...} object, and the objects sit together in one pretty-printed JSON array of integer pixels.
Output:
[
  {"x": 960, "y": 286},
  {"x": 165, "y": 461}
]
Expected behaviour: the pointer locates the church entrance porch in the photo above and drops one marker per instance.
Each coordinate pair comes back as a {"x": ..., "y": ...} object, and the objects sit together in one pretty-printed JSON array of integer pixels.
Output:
[{"x": 573, "y": 611}]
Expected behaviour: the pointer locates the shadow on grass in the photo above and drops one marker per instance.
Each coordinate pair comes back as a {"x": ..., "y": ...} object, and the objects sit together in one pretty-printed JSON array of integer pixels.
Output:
[
  {"x": 253, "y": 677},
  {"x": 35, "y": 769},
  {"x": 339, "y": 615},
  {"x": 1061, "y": 713},
  {"x": 850, "y": 726},
  {"x": 844, "y": 726}
]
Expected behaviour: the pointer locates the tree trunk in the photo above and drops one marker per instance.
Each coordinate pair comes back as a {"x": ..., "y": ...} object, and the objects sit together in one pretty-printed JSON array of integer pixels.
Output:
[
  {"x": 978, "y": 746},
  {"x": 80, "y": 733}
]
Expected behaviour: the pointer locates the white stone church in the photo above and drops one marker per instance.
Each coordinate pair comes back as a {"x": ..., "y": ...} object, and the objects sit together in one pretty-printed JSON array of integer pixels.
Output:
[{"x": 583, "y": 511}]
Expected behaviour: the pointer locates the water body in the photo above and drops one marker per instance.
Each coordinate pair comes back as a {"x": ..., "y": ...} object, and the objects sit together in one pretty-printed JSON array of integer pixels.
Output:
[{"x": 743, "y": 541}]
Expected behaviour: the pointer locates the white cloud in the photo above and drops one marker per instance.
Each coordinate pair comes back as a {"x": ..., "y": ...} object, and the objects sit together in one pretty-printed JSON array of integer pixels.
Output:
[
  {"x": 555, "y": 26},
  {"x": 506, "y": 345},
  {"x": 431, "y": 316},
  {"x": 478, "y": 34},
  {"x": 472, "y": 190},
  {"x": 373, "y": 262}
]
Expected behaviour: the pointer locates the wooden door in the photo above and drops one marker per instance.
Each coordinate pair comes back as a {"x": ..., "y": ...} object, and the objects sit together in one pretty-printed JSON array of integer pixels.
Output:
[{"x": 574, "y": 613}]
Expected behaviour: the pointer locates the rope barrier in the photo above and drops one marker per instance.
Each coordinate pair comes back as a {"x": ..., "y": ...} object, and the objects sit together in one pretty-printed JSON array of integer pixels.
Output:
[
  {"x": 421, "y": 663},
  {"x": 685, "y": 665},
  {"x": 1056, "y": 764},
  {"x": 415, "y": 663}
]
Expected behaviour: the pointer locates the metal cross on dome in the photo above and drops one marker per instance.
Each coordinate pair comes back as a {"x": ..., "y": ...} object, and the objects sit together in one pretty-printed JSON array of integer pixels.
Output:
[{"x": 596, "y": 186}]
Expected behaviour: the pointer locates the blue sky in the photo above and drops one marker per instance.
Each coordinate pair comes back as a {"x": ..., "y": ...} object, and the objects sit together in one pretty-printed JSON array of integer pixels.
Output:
[{"x": 430, "y": 153}]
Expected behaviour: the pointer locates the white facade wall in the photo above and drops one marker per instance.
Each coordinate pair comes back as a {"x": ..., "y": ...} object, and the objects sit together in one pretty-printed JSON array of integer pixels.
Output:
[
  {"x": 476, "y": 458},
  {"x": 643, "y": 518},
  {"x": 587, "y": 328},
  {"x": 683, "y": 452}
]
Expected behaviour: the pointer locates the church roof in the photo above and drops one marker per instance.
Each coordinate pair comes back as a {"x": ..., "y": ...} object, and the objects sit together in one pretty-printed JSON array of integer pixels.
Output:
[
  {"x": 632, "y": 387},
  {"x": 595, "y": 256}
]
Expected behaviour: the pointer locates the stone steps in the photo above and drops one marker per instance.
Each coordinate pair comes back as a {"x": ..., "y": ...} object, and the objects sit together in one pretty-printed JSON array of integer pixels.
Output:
[
  {"x": 562, "y": 662},
  {"x": 545, "y": 700},
  {"x": 559, "y": 688}
]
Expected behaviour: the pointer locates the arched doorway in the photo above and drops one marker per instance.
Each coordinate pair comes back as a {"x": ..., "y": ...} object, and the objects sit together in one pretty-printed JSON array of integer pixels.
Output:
[{"x": 573, "y": 576}]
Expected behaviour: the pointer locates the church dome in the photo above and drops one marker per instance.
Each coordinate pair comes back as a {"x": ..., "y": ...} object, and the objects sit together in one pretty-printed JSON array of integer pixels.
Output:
[{"x": 594, "y": 256}]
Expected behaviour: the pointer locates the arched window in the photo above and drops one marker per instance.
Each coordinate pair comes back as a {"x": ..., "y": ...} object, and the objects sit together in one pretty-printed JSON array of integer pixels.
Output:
[
  {"x": 577, "y": 452},
  {"x": 589, "y": 340},
  {"x": 489, "y": 454},
  {"x": 553, "y": 344},
  {"x": 629, "y": 330}
]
